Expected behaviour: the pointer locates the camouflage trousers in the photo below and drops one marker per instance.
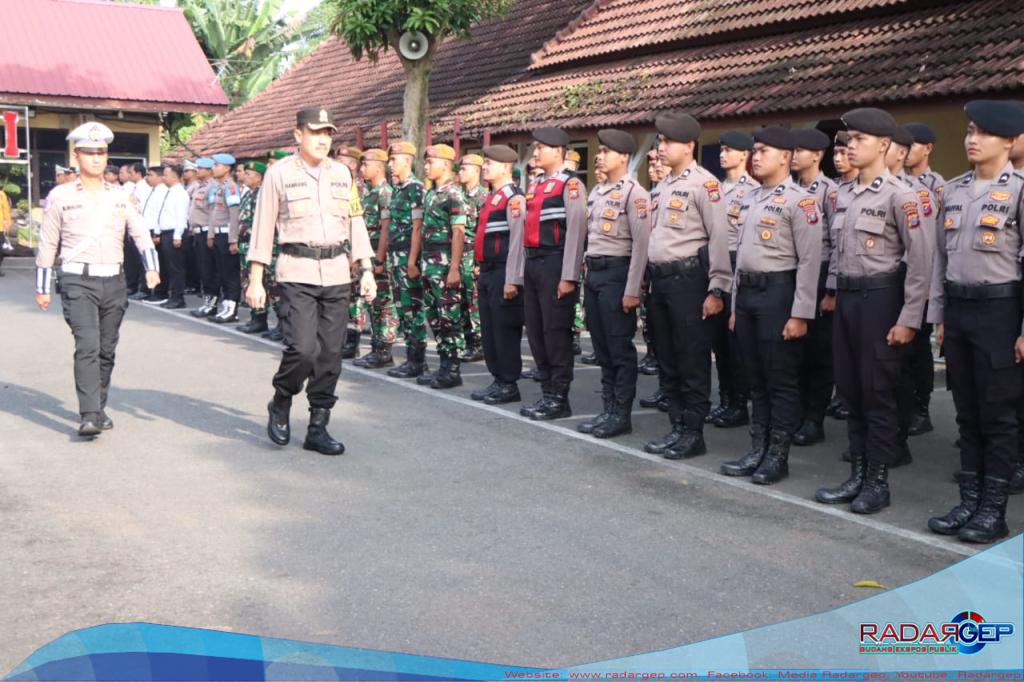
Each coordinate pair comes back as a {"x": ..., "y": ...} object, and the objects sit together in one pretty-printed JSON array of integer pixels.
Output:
[
  {"x": 470, "y": 313},
  {"x": 381, "y": 311},
  {"x": 269, "y": 279},
  {"x": 408, "y": 295},
  {"x": 443, "y": 305}
]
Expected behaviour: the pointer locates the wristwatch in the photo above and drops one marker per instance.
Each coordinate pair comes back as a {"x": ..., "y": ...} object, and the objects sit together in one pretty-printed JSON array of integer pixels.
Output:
[
  {"x": 716, "y": 292},
  {"x": 364, "y": 271}
]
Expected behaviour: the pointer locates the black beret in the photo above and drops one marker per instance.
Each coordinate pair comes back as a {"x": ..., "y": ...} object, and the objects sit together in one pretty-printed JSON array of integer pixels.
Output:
[
  {"x": 500, "y": 152},
  {"x": 678, "y": 127},
  {"x": 922, "y": 132},
  {"x": 736, "y": 139},
  {"x": 842, "y": 138},
  {"x": 996, "y": 117},
  {"x": 617, "y": 140},
  {"x": 903, "y": 136},
  {"x": 811, "y": 138},
  {"x": 774, "y": 136},
  {"x": 871, "y": 121},
  {"x": 552, "y": 137}
]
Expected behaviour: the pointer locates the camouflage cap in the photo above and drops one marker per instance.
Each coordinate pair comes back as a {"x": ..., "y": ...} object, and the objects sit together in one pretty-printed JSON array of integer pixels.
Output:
[
  {"x": 402, "y": 148},
  {"x": 375, "y": 155},
  {"x": 439, "y": 151}
]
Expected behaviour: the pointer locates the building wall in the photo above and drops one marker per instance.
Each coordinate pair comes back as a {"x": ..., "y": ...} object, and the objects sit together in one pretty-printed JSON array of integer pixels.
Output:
[{"x": 71, "y": 119}]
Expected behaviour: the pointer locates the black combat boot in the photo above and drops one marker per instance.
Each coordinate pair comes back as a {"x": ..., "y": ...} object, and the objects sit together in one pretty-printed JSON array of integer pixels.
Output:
[
  {"x": 747, "y": 465},
  {"x": 723, "y": 405},
  {"x": 276, "y": 334},
  {"x": 690, "y": 444},
  {"x": 379, "y": 358},
  {"x": 474, "y": 351},
  {"x": 841, "y": 413},
  {"x": 957, "y": 518},
  {"x": 775, "y": 465},
  {"x": 848, "y": 490},
  {"x": 654, "y": 400},
  {"x": 809, "y": 433},
  {"x": 557, "y": 404},
  {"x": 833, "y": 405},
  {"x": 545, "y": 397},
  {"x": 874, "y": 495},
  {"x": 530, "y": 374},
  {"x": 427, "y": 378},
  {"x": 90, "y": 425},
  {"x": 589, "y": 359},
  {"x": 257, "y": 324},
  {"x": 988, "y": 523},
  {"x": 482, "y": 393},
  {"x": 921, "y": 420},
  {"x": 589, "y": 425},
  {"x": 660, "y": 445},
  {"x": 619, "y": 421},
  {"x": 209, "y": 307},
  {"x": 278, "y": 426},
  {"x": 577, "y": 349},
  {"x": 735, "y": 414},
  {"x": 351, "y": 348},
  {"x": 317, "y": 438},
  {"x": 450, "y": 375},
  {"x": 507, "y": 392},
  {"x": 414, "y": 366},
  {"x": 1016, "y": 484},
  {"x": 649, "y": 364}
]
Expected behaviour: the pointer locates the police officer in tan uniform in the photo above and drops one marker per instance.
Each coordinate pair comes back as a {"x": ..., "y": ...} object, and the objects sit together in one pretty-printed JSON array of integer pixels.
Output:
[
  {"x": 878, "y": 310},
  {"x": 199, "y": 222},
  {"x": 775, "y": 295},
  {"x": 976, "y": 290},
  {"x": 225, "y": 198},
  {"x": 688, "y": 275},
  {"x": 311, "y": 204},
  {"x": 816, "y": 367},
  {"x": 619, "y": 231},
  {"x": 87, "y": 220}
]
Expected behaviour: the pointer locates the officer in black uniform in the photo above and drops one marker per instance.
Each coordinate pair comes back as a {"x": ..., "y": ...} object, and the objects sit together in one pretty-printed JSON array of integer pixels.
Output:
[{"x": 975, "y": 300}]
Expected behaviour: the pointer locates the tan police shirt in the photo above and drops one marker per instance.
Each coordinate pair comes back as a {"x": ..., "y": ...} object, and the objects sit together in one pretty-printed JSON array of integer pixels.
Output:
[
  {"x": 982, "y": 235},
  {"x": 515, "y": 263},
  {"x": 781, "y": 230},
  {"x": 875, "y": 227},
  {"x": 313, "y": 207},
  {"x": 226, "y": 198},
  {"x": 691, "y": 214},
  {"x": 734, "y": 193},
  {"x": 199, "y": 209},
  {"x": 822, "y": 189},
  {"x": 620, "y": 225}
]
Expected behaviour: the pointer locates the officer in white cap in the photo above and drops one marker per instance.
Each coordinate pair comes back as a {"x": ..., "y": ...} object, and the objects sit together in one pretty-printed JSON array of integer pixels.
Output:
[{"x": 87, "y": 220}]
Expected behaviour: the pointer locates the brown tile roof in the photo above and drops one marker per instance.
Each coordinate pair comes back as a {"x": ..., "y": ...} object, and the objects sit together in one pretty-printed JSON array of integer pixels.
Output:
[
  {"x": 363, "y": 93},
  {"x": 932, "y": 55},
  {"x": 609, "y": 27}
]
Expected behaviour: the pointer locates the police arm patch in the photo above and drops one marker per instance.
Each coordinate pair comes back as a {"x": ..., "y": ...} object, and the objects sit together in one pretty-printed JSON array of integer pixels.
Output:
[
  {"x": 714, "y": 194},
  {"x": 573, "y": 188}
]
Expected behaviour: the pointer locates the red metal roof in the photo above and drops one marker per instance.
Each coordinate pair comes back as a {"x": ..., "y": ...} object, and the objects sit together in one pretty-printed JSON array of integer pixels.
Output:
[{"x": 104, "y": 54}]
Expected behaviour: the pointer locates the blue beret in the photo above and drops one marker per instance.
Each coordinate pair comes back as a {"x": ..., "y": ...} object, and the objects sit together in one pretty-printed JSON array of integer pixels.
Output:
[
  {"x": 736, "y": 139},
  {"x": 226, "y": 159},
  {"x": 811, "y": 138},
  {"x": 204, "y": 163},
  {"x": 996, "y": 117},
  {"x": 922, "y": 132},
  {"x": 775, "y": 136}
]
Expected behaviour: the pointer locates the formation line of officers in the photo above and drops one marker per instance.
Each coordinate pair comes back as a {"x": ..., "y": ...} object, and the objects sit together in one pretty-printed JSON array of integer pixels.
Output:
[{"x": 796, "y": 281}]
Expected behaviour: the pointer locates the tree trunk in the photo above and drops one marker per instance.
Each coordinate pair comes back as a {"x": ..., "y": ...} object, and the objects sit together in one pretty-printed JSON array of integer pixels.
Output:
[{"x": 417, "y": 104}]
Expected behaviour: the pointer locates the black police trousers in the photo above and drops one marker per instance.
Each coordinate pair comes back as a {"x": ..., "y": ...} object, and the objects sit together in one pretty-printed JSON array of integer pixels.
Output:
[
  {"x": 314, "y": 319},
  {"x": 986, "y": 381},
  {"x": 501, "y": 324},
  {"x": 207, "y": 259},
  {"x": 868, "y": 370},
  {"x": 229, "y": 269},
  {"x": 683, "y": 342},
  {"x": 549, "y": 319},
  {"x": 772, "y": 363},
  {"x": 191, "y": 261},
  {"x": 94, "y": 308},
  {"x": 816, "y": 367},
  {"x": 612, "y": 330},
  {"x": 174, "y": 262},
  {"x": 732, "y": 377}
]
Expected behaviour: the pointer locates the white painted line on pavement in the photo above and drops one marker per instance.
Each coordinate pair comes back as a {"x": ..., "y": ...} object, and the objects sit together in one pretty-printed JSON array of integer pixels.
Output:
[{"x": 837, "y": 512}]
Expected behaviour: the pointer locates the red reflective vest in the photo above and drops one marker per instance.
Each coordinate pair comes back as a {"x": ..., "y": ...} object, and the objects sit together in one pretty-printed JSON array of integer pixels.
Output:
[
  {"x": 545, "y": 212},
  {"x": 492, "y": 231}
]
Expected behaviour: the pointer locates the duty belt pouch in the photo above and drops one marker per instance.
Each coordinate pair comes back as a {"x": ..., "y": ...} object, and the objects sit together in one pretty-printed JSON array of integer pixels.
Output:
[
  {"x": 704, "y": 254},
  {"x": 56, "y": 281}
]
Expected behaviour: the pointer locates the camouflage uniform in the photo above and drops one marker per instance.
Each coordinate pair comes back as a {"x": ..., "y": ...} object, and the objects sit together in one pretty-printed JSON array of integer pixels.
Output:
[
  {"x": 444, "y": 211},
  {"x": 358, "y": 308},
  {"x": 246, "y": 209},
  {"x": 382, "y": 312},
  {"x": 406, "y": 205},
  {"x": 474, "y": 201}
]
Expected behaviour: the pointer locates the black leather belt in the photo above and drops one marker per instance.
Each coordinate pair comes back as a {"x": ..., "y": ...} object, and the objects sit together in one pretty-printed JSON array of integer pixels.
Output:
[
  {"x": 315, "y": 252},
  {"x": 399, "y": 244},
  {"x": 982, "y": 292},
  {"x": 533, "y": 252},
  {"x": 868, "y": 282},
  {"x": 676, "y": 267},
  {"x": 437, "y": 246},
  {"x": 760, "y": 280},
  {"x": 606, "y": 262},
  {"x": 491, "y": 265}
]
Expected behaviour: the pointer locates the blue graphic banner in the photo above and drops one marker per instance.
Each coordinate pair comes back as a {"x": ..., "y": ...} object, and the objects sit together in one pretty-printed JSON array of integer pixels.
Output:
[{"x": 963, "y": 623}]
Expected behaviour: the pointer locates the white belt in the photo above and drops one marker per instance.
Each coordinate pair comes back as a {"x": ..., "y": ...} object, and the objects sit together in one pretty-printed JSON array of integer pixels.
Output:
[
  {"x": 220, "y": 230},
  {"x": 197, "y": 230},
  {"x": 95, "y": 269}
]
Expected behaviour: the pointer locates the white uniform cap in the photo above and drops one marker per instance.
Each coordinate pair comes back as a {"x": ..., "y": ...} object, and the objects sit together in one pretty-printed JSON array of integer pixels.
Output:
[
  {"x": 190, "y": 165},
  {"x": 91, "y": 136}
]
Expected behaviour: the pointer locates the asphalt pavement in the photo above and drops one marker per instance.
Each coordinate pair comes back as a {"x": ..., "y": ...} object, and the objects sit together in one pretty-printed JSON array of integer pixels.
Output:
[{"x": 449, "y": 528}]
